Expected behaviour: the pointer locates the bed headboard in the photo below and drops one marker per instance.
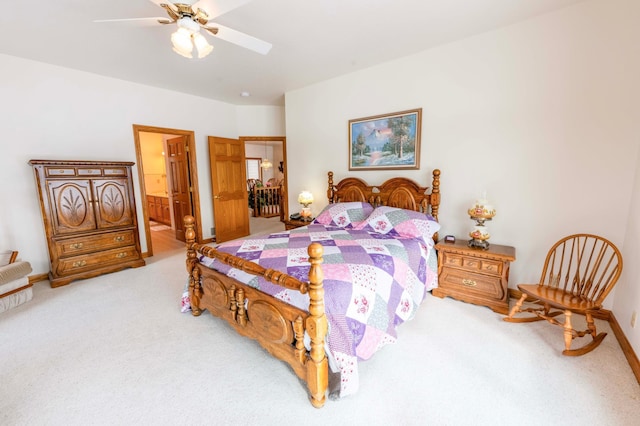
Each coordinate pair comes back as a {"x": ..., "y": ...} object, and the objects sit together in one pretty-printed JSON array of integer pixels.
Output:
[{"x": 396, "y": 192}]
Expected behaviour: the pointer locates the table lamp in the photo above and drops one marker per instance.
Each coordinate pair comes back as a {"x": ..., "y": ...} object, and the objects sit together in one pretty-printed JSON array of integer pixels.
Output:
[
  {"x": 480, "y": 212},
  {"x": 305, "y": 198}
]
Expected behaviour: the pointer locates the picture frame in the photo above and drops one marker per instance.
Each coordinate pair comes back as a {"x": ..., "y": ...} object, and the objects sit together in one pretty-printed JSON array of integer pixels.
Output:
[{"x": 386, "y": 142}]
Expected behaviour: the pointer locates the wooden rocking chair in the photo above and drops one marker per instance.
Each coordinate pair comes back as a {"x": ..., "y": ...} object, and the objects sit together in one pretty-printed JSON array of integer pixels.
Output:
[{"x": 579, "y": 272}]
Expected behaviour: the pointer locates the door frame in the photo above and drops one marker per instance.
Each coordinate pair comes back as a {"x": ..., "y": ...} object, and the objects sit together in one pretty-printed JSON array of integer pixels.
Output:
[
  {"x": 192, "y": 172},
  {"x": 283, "y": 139}
]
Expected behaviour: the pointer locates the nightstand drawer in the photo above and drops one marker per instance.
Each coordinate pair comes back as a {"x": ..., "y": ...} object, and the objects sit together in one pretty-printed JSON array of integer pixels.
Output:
[
  {"x": 491, "y": 267},
  {"x": 469, "y": 283},
  {"x": 473, "y": 264},
  {"x": 452, "y": 259}
]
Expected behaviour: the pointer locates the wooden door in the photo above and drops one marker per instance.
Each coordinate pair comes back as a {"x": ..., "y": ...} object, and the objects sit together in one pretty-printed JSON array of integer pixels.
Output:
[
  {"x": 112, "y": 203},
  {"x": 180, "y": 185},
  {"x": 71, "y": 205},
  {"x": 229, "y": 184}
]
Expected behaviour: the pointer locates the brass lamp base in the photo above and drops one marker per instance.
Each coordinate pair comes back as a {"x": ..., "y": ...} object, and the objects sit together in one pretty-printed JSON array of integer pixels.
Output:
[
  {"x": 480, "y": 234},
  {"x": 483, "y": 244}
]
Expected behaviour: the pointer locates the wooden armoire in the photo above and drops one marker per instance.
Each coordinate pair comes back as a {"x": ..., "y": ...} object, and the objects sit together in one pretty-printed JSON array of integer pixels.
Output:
[{"x": 89, "y": 216}]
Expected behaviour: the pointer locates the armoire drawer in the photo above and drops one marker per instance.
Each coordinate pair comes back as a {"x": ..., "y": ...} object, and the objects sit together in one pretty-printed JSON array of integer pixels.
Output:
[
  {"x": 73, "y": 265},
  {"x": 92, "y": 243}
]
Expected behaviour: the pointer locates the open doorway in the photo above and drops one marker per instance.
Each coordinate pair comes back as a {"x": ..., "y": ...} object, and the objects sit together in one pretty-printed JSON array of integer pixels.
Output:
[
  {"x": 266, "y": 163},
  {"x": 169, "y": 189}
]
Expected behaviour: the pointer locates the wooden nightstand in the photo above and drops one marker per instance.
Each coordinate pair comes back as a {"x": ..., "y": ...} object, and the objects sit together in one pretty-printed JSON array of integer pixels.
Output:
[
  {"x": 292, "y": 224},
  {"x": 475, "y": 275}
]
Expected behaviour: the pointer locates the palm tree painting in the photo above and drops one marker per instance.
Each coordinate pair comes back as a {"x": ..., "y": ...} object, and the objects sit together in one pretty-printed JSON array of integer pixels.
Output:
[{"x": 388, "y": 141}]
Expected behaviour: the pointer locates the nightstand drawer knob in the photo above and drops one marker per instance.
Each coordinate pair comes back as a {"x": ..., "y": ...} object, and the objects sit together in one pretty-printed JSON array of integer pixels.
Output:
[{"x": 469, "y": 283}]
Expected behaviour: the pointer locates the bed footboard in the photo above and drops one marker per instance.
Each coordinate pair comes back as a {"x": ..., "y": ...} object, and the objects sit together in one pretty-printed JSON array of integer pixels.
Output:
[{"x": 276, "y": 325}]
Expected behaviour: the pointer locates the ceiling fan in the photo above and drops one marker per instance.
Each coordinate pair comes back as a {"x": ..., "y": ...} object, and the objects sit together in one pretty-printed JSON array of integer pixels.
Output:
[{"x": 191, "y": 15}]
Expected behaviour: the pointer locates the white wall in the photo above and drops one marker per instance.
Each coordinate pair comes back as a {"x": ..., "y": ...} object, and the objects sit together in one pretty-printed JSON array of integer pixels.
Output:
[
  {"x": 628, "y": 295},
  {"x": 543, "y": 115},
  {"x": 260, "y": 120}
]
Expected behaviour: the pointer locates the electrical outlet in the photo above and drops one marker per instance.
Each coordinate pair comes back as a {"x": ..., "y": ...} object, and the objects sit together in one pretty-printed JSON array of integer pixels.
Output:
[{"x": 634, "y": 315}]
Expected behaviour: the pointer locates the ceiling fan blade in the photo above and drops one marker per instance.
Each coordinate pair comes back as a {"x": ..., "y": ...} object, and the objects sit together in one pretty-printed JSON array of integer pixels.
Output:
[
  {"x": 142, "y": 21},
  {"x": 241, "y": 39}
]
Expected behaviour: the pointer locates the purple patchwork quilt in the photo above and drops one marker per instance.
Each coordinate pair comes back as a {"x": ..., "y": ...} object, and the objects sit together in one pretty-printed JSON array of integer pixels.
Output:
[{"x": 373, "y": 283}]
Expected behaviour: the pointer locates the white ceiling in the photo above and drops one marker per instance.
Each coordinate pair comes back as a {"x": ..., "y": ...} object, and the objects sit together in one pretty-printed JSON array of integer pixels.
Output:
[{"x": 313, "y": 40}]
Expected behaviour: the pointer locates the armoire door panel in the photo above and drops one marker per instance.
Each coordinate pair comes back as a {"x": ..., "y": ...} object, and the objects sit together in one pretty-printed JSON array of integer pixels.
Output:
[
  {"x": 71, "y": 206},
  {"x": 112, "y": 203}
]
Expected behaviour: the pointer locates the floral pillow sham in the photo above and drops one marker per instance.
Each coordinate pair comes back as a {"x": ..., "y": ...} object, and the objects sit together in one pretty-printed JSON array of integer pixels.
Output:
[
  {"x": 401, "y": 222},
  {"x": 344, "y": 215}
]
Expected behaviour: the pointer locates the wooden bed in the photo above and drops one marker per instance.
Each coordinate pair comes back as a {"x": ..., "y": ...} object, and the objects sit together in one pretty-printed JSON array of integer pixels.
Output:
[{"x": 276, "y": 325}]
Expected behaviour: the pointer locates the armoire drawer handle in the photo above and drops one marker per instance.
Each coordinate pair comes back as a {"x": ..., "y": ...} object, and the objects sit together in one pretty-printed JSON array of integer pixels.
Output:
[
  {"x": 469, "y": 283},
  {"x": 76, "y": 246},
  {"x": 79, "y": 263},
  {"x": 119, "y": 238},
  {"x": 121, "y": 255}
]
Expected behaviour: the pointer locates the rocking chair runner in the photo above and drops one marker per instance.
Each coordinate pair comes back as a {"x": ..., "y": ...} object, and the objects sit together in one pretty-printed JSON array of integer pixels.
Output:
[{"x": 578, "y": 274}]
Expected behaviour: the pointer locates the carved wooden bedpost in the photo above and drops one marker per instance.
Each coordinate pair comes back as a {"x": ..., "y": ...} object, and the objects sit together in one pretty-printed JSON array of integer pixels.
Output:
[
  {"x": 330, "y": 193},
  {"x": 435, "y": 194},
  {"x": 195, "y": 289},
  {"x": 316, "y": 326},
  {"x": 435, "y": 198}
]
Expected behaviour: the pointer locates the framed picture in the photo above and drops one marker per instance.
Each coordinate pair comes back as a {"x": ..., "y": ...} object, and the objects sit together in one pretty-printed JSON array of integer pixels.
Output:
[{"x": 385, "y": 142}]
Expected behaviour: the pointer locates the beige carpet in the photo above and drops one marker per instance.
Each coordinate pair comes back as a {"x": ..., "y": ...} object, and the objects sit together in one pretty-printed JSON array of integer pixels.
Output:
[
  {"x": 261, "y": 225},
  {"x": 115, "y": 350}
]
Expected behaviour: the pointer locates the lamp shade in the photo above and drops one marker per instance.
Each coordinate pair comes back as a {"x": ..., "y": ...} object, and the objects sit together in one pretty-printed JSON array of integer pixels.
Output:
[
  {"x": 204, "y": 48},
  {"x": 181, "y": 40},
  {"x": 305, "y": 198},
  {"x": 482, "y": 209}
]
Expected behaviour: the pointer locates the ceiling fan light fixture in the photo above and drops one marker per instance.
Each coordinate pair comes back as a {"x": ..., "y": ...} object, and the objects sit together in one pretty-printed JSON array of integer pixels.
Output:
[
  {"x": 187, "y": 55},
  {"x": 188, "y": 24},
  {"x": 181, "y": 40},
  {"x": 190, "y": 19},
  {"x": 203, "y": 47}
]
